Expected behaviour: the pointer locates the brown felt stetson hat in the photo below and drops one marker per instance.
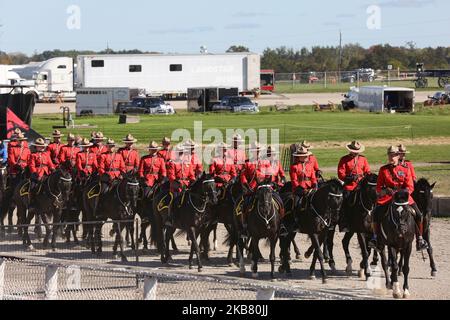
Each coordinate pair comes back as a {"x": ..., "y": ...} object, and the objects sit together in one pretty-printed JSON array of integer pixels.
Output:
[
  {"x": 85, "y": 143},
  {"x": 166, "y": 141},
  {"x": 392, "y": 150},
  {"x": 302, "y": 152},
  {"x": 237, "y": 138},
  {"x": 402, "y": 149},
  {"x": 129, "y": 139},
  {"x": 57, "y": 134},
  {"x": 153, "y": 146},
  {"x": 99, "y": 137},
  {"x": 355, "y": 147},
  {"x": 71, "y": 137},
  {"x": 39, "y": 142},
  {"x": 20, "y": 137},
  {"x": 111, "y": 143}
]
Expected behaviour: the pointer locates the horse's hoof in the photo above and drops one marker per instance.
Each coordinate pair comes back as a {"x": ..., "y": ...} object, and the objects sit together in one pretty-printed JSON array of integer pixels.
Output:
[
  {"x": 281, "y": 269},
  {"x": 433, "y": 273},
  {"x": 30, "y": 248},
  {"x": 190, "y": 267},
  {"x": 255, "y": 275},
  {"x": 124, "y": 259},
  {"x": 349, "y": 271},
  {"x": 326, "y": 260},
  {"x": 406, "y": 294},
  {"x": 324, "y": 281},
  {"x": 313, "y": 277},
  {"x": 54, "y": 249},
  {"x": 400, "y": 274},
  {"x": 299, "y": 258},
  {"x": 307, "y": 255},
  {"x": 200, "y": 270},
  {"x": 397, "y": 294},
  {"x": 361, "y": 274},
  {"x": 333, "y": 268}
]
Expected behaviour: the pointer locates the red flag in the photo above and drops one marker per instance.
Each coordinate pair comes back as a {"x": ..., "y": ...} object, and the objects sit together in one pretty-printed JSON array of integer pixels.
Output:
[{"x": 13, "y": 122}]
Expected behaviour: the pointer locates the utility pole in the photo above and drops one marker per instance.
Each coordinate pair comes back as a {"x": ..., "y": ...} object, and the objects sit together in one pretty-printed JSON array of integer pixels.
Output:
[{"x": 340, "y": 55}]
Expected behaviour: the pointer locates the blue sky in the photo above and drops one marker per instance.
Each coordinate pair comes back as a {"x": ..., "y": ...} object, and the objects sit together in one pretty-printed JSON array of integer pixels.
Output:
[{"x": 183, "y": 26}]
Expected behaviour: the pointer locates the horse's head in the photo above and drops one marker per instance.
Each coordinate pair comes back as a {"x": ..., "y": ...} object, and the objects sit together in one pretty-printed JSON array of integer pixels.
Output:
[
  {"x": 132, "y": 188},
  {"x": 335, "y": 197},
  {"x": 3, "y": 178},
  {"x": 264, "y": 196},
  {"x": 401, "y": 212},
  {"x": 368, "y": 187},
  {"x": 423, "y": 195},
  {"x": 64, "y": 184},
  {"x": 207, "y": 187}
]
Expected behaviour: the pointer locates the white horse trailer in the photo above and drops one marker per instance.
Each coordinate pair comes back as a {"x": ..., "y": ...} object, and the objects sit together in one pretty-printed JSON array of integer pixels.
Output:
[
  {"x": 100, "y": 101},
  {"x": 390, "y": 99},
  {"x": 170, "y": 74}
]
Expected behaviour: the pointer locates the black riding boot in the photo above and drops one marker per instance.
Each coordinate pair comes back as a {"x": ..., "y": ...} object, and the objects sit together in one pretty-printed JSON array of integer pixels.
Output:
[{"x": 421, "y": 244}]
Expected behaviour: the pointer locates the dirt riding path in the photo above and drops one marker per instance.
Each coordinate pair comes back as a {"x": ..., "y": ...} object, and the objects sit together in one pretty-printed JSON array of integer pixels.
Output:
[{"x": 422, "y": 285}]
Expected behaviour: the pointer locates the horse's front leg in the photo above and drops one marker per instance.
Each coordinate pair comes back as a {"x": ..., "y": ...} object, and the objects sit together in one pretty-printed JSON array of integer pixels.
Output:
[
  {"x": 298, "y": 254},
  {"x": 364, "y": 271},
  {"x": 192, "y": 236},
  {"x": 384, "y": 265},
  {"x": 427, "y": 238},
  {"x": 254, "y": 249},
  {"x": 406, "y": 257},
  {"x": 133, "y": 244},
  {"x": 273, "y": 243},
  {"x": 119, "y": 238},
  {"x": 345, "y": 244},
  {"x": 319, "y": 255},
  {"x": 329, "y": 245},
  {"x": 394, "y": 273}
]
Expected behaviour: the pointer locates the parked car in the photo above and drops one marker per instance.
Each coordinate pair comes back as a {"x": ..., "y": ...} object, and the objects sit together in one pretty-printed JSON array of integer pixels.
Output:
[
  {"x": 236, "y": 104},
  {"x": 365, "y": 75},
  {"x": 146, "y": 105}
]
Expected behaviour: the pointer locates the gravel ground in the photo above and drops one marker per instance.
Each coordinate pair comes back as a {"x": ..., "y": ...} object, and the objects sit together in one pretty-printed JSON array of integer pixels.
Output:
[{"x": 422, "y": 285}]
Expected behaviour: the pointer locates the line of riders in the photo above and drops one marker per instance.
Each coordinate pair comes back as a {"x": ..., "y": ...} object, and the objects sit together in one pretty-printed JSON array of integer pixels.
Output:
[{"x": 98, "y": 160}]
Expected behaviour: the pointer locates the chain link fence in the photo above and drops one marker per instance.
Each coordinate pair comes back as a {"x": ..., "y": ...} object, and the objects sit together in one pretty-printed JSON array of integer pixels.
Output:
[
  {"x": 67, "y": 248},
  {"x": 23, "y": 278},
  {"x": 345, "y": 79}
]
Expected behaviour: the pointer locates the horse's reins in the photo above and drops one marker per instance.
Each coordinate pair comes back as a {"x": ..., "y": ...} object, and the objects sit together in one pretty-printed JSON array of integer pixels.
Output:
[
  {"x": 203, "y": 198},
  {"x": 267, "y": 221},
  {"x": 125, "y": 205},
  {"x": 57, "y": 197},
  {"x": 327, "y": 224}
]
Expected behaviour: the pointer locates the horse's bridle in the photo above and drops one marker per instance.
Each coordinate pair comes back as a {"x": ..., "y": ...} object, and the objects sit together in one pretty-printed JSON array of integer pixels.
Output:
[
  {"x": 311, "y": 203},
  {"x": 58, "y": 200},
  {"x": 266, "y": 220},
  {"x": 361, "y": 200}
]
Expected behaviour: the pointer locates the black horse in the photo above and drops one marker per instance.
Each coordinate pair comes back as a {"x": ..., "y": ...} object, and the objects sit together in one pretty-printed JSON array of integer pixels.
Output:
[
  {"x": 188, "y": 212},
  {"x": 398, "y": 232},
  {"x": 317, "y": 213},
  {"x": 263, "y": 221},
  {"x": 423, "y": 196},
  {"x": 50, "y": 200},
  {"x": 223, "y": 213},
  {"x": 358, "y": 207},
  {"x": 115, "y": 204}
]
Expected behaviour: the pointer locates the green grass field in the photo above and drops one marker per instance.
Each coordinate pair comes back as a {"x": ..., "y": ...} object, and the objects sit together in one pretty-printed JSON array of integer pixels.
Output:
[
  {"x": 427, "y": 133},
  {"x": 286, "y": 87},
  {"x": 300, "y": 123}
]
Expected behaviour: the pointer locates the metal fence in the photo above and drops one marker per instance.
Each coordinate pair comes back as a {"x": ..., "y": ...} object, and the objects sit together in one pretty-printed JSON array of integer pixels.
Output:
[
  {"x": 24, "y": 278},
  {"x": 332, "y": 79},
  {"x": 67, "y": 249}
]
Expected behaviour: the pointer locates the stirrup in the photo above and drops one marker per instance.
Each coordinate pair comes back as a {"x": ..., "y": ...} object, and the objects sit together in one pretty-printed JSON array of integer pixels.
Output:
[{"x": 421, "y": 245}]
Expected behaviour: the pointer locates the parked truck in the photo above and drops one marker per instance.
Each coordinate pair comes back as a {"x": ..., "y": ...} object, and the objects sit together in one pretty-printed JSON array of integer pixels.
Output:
[
  {"x": 170, "y": 75},
  {"x": 49, "y": 80}
]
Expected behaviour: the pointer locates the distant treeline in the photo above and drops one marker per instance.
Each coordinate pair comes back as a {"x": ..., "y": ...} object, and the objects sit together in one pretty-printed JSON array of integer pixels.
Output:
[{"x": 286, "y": 60}]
